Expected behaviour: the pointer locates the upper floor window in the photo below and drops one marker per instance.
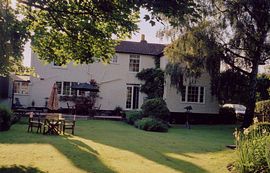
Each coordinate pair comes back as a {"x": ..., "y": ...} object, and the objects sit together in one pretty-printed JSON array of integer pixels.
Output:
[
  {"x": 134, "y": 63},
  {"x": 193, "y": 94},
  {"x": 58, "y": 65},
  {"x": 114, "y": 59},
  {"x": 21, "y": 87}
]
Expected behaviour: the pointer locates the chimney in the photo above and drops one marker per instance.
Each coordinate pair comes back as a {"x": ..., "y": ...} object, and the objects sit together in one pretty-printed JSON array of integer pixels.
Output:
[{"x": 143, "y": 38}]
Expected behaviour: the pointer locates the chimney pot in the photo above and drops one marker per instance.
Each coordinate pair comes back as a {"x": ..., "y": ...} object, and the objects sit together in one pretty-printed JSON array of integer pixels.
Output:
[{"x": 143, "y": 38}]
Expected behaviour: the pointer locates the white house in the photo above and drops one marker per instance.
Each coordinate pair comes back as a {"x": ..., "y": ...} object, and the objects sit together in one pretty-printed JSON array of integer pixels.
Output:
[{"x": 117, "y": 81}]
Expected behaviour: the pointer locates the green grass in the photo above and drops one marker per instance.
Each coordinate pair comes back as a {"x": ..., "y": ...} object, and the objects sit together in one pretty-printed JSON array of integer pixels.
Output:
[{"x": 108, "y": 146}]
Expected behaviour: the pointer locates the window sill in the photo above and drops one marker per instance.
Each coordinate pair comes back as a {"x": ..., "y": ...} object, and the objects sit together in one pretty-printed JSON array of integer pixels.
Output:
[
  {"x": 193, "y": 103},
  {"x": 19, "y": 94}
]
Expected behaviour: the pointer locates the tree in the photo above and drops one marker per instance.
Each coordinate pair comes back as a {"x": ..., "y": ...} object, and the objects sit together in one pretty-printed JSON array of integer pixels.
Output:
[
  {"x": 80, "y": 31},
  {"x": 263, "y": 87},
  {"x": 87, "y": 31},
  {"x": 13, "y": 36},
  {"x": 154, "y": 82},
  {"x": 239, "y": 31}
]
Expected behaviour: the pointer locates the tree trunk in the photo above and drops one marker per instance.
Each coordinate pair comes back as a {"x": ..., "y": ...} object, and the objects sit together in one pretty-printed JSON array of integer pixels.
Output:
[{"x": 251, "y": 96}]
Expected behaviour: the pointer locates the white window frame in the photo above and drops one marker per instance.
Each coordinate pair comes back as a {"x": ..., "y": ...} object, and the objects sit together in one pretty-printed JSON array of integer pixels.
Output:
[
  {"x": 132, "y": 56},
  {"x": 20, "y": 87},
  {"x": 70, "y": 84},
  {"x": 132, "y": 95},
  {"x": 199, "y": 93},
  {"x": 54, "y": 65}
]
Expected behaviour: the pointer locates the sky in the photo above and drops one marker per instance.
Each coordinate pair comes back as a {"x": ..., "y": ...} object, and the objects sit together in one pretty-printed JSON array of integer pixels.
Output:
[{"x": 145, "y": 28}]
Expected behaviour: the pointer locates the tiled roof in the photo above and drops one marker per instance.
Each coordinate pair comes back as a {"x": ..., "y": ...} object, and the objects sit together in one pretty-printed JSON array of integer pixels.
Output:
[{"x": 142, "y": 48}]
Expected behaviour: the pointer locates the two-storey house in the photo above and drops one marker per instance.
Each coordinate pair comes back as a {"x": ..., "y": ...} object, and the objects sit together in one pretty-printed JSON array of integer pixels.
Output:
[{"x": 117, "y": 81}]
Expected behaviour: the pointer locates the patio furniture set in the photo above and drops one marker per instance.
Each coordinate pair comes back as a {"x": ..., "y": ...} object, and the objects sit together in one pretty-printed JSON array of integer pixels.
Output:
[{"x": 50, "y": 123}]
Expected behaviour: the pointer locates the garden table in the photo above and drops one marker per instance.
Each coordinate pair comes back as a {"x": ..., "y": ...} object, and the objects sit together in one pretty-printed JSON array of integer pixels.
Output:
[{"x": 54, "y": 125}]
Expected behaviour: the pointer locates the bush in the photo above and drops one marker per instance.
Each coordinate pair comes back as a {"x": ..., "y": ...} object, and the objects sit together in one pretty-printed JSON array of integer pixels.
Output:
[
  {"x": 227, "y": 114},
  {"x": 117, "y": 111},
  {"x": 5, "y": 118},
  {"x": 132, "y": 116},
  {"x": 156, "y": 108},
  {"x": 151, "y": 124},
  {"x": 263, "y": 107},
  {"x": 252, "y": 149},
  {"x": 259, "y": 128}
]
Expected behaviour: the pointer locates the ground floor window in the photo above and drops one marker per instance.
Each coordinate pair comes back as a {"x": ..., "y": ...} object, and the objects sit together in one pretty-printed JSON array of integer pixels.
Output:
[
  {"x": 21, "y": 87},
  {"x": 193, "y": 94},
  {"x": 132, "y": 96},
  {"x": 65, "y": 88}
]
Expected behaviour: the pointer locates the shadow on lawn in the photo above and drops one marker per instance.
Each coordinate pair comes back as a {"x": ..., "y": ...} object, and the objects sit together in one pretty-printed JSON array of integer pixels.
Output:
[
  {"x": 150, "y": 145},
  {"x": 155, "y": 146},
  {"x": 81, "y": 155},
  {"x": 19, "y": 169}
]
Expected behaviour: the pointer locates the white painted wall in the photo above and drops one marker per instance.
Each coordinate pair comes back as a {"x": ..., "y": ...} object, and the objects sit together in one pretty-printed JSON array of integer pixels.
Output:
[
  {"x": 112, "y": 79},
  {"x": 173, "y": 98}
]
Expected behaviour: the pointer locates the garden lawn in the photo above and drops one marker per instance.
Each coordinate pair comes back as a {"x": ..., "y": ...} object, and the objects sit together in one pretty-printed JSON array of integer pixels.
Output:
[{"x": 108, "y": 146}]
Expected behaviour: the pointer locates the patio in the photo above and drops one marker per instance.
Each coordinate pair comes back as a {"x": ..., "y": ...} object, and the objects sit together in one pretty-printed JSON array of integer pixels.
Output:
[{"x": 110, "y": 146}]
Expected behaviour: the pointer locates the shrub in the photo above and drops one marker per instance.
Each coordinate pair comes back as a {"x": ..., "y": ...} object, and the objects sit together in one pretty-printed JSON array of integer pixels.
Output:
[
  {"x": 156, "y": 108},
  {"x": 151, "y": 124},
  {"x": 267, "y": 152},
  {"x": 117, "y": 111},
  {"x": 132, "y": 116},
  {"x": 251, "y": 149},
  {"x": 228, "y": 114},
  {"x": 263, "y": 107},
  {"x": 5, "y": 118}
]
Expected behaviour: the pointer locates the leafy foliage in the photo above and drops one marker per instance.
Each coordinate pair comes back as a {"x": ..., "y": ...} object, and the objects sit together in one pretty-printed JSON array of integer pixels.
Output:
[
  {"x": 13, "y": 36},
  {"x": 244, "y": 48},
  {"x": 191, "y": 54},
  {"x": 252, "y": 151},
  {"x": 151, "y": 124},
  {"x": 156, "y": 108},
  {"x": 133, "y": 116},
  {"x": 263, "y": 87},
  {"x": 154, "y": 82},
  {"x": 263, "y": 107},
  {"x": 78, "y": 31},
  {"x": 5, "y": 118},
  {"x": 232, "y": 87}
]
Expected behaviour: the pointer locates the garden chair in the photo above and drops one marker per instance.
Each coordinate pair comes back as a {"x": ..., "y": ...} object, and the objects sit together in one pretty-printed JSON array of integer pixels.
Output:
[
  {"x": 69, "y": 125},
  {"x": 71, "y": 109},
  {"x": 35, "y": 122}
]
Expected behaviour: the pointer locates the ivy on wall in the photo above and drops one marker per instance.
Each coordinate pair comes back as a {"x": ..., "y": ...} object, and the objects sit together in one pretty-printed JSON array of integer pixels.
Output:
[{"x": 154, "y": 82}]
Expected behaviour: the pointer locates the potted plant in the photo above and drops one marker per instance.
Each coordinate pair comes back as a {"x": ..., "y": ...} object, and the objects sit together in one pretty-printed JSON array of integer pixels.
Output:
[{"x": 118, "y": 111}]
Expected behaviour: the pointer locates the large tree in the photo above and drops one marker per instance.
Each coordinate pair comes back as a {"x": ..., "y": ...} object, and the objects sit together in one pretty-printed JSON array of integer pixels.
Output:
[
  {"x": 88, "y": 30},
  {"x": 238, "y": 33},
  {"x": 13, "y": 35}
]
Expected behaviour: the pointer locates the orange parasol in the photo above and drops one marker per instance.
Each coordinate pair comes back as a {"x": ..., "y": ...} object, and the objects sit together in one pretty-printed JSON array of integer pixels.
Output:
[{"x": 53, "y": 103}]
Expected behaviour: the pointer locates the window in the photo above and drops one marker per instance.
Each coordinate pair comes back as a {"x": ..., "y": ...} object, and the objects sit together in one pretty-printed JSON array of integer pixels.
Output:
[
  {"x": 58, "y": 65},
  {"x": 114, "y": 59},
  {"x": 73, "y": 91},
  {"x": 59, "y": 87},
  {"x": 66, "y": 88},
  {"x": 132, "y": 101},
  {"x": 134, "y": 63},
  {"x": 193, "y": 94},
  {"x": 21, "y": 87}
]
